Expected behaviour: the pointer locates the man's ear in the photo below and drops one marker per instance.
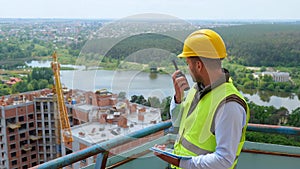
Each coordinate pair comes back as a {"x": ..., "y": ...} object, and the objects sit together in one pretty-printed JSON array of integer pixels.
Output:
[{"x": 199, "y": 65}]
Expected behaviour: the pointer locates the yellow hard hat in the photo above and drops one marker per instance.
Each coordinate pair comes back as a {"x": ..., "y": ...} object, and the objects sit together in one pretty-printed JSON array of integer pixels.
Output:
[{"x": 204, "y": 43}]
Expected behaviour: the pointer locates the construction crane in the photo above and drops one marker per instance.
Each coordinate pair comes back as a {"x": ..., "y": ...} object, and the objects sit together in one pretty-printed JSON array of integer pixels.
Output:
[{"x": 63, "y": 125}]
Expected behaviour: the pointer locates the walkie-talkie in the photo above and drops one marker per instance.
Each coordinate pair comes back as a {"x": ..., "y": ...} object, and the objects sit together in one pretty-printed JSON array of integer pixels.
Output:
[{"x": 186, "y": 84}]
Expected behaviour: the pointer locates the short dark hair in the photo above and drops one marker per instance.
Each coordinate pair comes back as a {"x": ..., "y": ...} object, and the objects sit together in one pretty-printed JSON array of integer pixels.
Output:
[{"x": 208, "y": 63}]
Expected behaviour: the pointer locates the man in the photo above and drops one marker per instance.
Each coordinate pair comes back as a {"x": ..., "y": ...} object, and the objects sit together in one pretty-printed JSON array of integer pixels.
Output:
[{"x": 214, "y": 115}]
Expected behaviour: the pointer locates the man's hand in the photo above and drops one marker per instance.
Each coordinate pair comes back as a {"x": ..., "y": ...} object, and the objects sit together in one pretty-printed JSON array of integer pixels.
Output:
[
  {"x": 179, "y": 85},
  {"x": 169, "y": 159}
]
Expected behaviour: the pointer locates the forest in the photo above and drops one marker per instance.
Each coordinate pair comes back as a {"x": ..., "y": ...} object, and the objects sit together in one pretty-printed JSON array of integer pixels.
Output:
[
  {"x": 266, "y": 45},
  {"x": 275, "y": 44},
  {"x": 263, "y": 44}
]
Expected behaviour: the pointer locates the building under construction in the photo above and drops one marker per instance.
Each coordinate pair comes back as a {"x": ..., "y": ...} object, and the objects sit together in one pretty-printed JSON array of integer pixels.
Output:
[{"x": 29, "y": 123}]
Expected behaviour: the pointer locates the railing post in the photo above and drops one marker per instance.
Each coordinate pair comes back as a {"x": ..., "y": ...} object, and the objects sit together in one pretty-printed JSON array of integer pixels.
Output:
[{"x": 101, "y": 160}]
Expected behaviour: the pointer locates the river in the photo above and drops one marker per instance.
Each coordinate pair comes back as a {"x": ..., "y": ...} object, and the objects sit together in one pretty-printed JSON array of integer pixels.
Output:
[{"x": 141, "y": 83}]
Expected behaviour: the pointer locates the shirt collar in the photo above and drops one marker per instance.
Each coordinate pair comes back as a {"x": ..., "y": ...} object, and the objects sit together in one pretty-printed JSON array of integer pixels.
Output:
[{"x": 205, "y": 89}]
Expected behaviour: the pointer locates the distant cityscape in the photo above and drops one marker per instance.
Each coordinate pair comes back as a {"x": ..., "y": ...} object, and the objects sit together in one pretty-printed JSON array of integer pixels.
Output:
[
  {"x": 55, "y": 31},
  {"x": 75, "y": 30}
]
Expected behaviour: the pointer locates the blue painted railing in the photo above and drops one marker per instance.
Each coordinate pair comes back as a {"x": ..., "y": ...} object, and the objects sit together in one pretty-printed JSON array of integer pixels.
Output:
[
  {"x": 273, "y": 129},
  {"x": 102, "y": 148}
]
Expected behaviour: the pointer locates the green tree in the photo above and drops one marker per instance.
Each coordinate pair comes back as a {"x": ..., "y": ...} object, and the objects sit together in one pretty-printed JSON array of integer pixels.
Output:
[
  {"x": 42, "y": 73},
  {"x": 271, "y": 138},
  {"x": 139, "y": 99},
  {"x": 4, "y": 90},
  {"x": 30, "y": 87},
  {"x": 142, "y": 100},
  {"x": 43, "y": 83},
  {"x": 294, "y": 118},
  {"x": 34, "y": 84},
  {"x": 261, "y": 114},
  {"x": 250, "y": 76},
  {"x": 263, "y": 69},
  {"x": 267, "y": 78},
  {"x": 19, "y": 87},
  {"x": 134, "y": 98},
  {"x": 154, "y": 102},
  {"x": 249, "y": 85},
  {"x": 270, "y": 87},
  {"x": 165, "y": 108},
  {"x": 122, "y": 95}
]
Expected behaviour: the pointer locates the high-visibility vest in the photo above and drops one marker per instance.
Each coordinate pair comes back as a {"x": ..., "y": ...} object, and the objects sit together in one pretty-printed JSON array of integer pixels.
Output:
[{"x": 195, "y": 136}]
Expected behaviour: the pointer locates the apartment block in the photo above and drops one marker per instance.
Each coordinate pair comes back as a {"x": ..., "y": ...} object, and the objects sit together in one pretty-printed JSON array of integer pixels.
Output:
[
  {"x": 27, "y": 136},
  {"x": 18, "y": 136},
  {"x": 45, "y": 112}
]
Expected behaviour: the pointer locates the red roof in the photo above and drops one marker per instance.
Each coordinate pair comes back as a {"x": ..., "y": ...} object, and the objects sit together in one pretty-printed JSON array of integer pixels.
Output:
[{"x": 13, "y": 80}]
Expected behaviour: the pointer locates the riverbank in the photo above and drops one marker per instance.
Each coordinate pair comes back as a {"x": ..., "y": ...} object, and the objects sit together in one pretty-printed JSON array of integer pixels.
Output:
[{"x": 136, "y": 79}]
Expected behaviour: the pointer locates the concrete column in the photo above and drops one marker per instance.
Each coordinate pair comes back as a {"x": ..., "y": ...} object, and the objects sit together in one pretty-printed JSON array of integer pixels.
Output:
[{"x": 76, "y": 147}]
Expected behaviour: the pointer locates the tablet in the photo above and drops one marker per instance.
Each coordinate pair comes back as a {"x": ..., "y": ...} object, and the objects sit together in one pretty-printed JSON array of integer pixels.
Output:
[{"x": 168, "y": 152}]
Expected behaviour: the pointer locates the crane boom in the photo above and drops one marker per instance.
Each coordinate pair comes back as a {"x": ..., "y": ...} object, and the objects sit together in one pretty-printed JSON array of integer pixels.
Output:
[{"x": 62, "y": 110}]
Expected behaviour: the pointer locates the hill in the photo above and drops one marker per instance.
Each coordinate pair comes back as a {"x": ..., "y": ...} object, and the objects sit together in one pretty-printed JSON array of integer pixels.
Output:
[{"x": 263, "y": 44}]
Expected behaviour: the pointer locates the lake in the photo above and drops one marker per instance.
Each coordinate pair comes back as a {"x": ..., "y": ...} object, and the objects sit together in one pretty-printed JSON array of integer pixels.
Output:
[{"x": 141, "y": 83}]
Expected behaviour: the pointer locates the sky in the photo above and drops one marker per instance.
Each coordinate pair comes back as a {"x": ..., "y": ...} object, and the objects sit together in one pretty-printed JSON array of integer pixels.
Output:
[{"x": 183, "y": 9}]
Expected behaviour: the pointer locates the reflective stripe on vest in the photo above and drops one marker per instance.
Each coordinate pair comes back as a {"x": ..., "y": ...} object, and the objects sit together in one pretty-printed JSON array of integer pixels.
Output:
[{"x": 191, "y": 147}]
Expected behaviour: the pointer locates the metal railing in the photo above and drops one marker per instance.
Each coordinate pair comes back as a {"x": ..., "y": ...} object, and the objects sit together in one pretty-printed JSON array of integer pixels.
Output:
[
  {"x": 101, "y": 149},
  {"x": 274, "y": 129}
]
